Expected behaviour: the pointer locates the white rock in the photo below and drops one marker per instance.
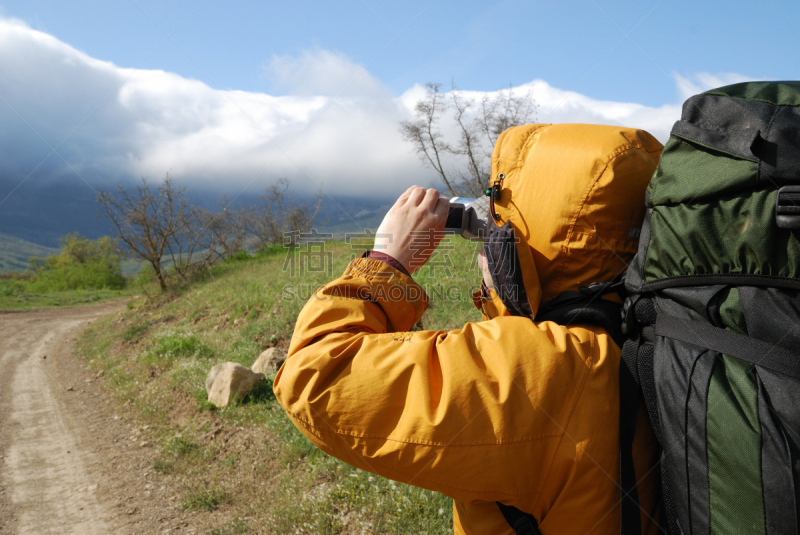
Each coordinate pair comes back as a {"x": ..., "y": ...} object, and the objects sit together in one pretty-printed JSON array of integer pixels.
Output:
[
  {"x": 229, "y": 381},
  {"x": 269, "y": 361}
]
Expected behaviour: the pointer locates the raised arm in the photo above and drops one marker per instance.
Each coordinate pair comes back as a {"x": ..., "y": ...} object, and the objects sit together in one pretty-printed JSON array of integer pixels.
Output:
[{"x": 441, "y": 410}]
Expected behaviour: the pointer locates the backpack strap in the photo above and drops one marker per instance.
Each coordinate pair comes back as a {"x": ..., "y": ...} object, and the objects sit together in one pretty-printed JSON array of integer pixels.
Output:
[
  {"x": 629, "y": 388},
  {"x": 753, "y": 350},
  {"x": 639, "y": 319},
  {"x": 585, "y": 307}
]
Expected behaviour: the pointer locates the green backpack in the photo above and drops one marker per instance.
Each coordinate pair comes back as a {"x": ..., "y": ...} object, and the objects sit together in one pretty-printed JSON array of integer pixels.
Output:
[{"x": 713, "y": 317}]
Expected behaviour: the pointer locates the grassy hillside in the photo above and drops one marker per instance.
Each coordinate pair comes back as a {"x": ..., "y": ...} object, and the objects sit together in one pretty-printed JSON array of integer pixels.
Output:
[
  {"x": 14, "y": 252},
  {"x": 246, "y": 469}
]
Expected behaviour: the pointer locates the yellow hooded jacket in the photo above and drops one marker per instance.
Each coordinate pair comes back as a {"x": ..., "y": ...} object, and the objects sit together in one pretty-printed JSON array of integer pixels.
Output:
[{"x": 504, "y": 409}]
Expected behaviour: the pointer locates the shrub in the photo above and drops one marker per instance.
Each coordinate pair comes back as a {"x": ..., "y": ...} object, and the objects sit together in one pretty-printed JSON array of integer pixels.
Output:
[
  {"x": 10, "y": 288},
  {"x": 145, "y": 277},
  {"x": 82, "y": 264}
]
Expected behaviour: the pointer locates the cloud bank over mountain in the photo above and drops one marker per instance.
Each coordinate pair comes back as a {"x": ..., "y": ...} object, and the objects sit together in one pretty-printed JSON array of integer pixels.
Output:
[{"x": 64, "y": 113}]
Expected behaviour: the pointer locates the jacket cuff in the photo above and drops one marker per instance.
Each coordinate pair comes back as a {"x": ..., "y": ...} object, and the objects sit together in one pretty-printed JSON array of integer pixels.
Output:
[
  {"x": 400, "y": 297},
  {"x": 389, "y": 259}
]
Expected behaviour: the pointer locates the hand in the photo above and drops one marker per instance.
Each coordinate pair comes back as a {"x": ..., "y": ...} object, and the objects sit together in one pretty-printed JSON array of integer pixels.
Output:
[{"x": 412, "y": 228}]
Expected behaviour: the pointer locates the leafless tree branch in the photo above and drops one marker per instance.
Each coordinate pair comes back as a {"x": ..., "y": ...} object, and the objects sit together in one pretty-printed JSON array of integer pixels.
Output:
[{"x": 477, "y": 125}]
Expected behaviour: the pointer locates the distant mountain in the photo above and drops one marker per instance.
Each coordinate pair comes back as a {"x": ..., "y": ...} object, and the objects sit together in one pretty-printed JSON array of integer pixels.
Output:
[
  {"x": 40, "y": 211},
  {"x": 340, "y": 216},
  {"x": 14, "y": 253}
]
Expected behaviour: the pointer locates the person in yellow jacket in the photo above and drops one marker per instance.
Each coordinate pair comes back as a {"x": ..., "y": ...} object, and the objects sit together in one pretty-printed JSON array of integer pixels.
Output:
[{"x": 507, "y": 409}]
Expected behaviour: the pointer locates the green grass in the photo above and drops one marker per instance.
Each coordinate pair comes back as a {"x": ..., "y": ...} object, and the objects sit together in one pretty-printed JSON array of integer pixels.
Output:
[
  {"x": 135, "y": 332},
  {"x": 163, "y": 466},
  {"x": 202, "y": 498},
  {"x": 367, "y": 502},
  {"x": 239, "y": 525},
  {"x": 449, "y": 279},
  {"x": 180, "y": 446},
  {"x": 179, "y": 346},
  {"x": 248, "y": 461},
  {"x": 10, "y": 299}
]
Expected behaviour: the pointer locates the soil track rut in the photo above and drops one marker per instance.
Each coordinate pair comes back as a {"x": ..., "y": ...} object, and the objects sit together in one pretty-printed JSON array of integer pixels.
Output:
[{"x": 68, "y": 464}]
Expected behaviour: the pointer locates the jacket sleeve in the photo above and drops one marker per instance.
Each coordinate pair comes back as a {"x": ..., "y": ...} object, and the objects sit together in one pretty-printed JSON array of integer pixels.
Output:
[{"x": 448, "y": 411}]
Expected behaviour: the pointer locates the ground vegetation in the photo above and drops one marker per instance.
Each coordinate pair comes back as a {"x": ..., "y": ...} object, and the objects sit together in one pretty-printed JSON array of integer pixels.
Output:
[{"x": 246, "y": 467}]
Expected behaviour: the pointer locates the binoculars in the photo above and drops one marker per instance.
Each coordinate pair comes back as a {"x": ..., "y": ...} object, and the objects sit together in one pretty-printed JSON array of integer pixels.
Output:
[{"x": 467, "y": 217}]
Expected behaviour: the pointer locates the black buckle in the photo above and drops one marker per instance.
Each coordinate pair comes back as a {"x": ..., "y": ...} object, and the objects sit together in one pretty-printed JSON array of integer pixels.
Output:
[
  {"x": 616, "y": 286},
  {"x": 787, "y": 207},
  {"x": 494, "y": 195}
]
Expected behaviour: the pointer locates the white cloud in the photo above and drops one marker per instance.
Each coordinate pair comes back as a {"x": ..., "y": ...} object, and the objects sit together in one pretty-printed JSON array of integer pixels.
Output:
[
  {"x": 697, "y": 83},
  {"x": 120, "y": 122},
  {"x": 338, "y": 125},
  {"x": 560, "y": 106},
  {"x": 322, "y": 72}
]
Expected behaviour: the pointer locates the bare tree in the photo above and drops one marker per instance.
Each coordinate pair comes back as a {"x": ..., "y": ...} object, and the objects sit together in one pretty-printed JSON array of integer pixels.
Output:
[
  {"x": 424, "y": 132},
  {"x": 279, "y": 216},
  {"x": 463, "y": 164},
  {"x": 229, "y": 229},
  {"x": 158, "y": 225}
]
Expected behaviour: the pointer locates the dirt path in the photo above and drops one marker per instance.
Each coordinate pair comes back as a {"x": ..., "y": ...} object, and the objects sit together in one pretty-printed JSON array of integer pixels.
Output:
[{"x": 69, "y": 463}]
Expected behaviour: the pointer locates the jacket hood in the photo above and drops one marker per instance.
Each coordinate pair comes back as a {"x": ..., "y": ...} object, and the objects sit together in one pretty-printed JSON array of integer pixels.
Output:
[{"x": 572, "y": 200}]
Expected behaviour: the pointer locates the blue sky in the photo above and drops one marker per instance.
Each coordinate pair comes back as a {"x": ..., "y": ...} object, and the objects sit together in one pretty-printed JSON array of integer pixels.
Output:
[
  {"x": 242, "y": 93},
  {"x": 611, "y": 50}
]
